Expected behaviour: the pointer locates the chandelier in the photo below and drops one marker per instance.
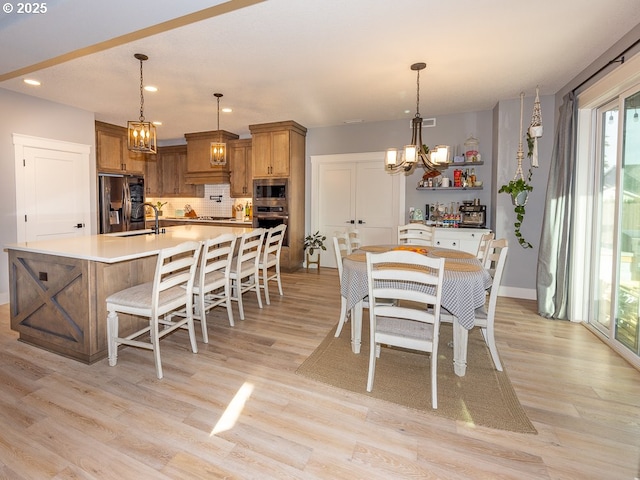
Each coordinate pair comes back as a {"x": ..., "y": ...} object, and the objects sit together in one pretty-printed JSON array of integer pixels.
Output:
[
  {"x": 141, "y": 135},
  {"x": 416, "y": 152},
  {"x": 218, "y": 150}
]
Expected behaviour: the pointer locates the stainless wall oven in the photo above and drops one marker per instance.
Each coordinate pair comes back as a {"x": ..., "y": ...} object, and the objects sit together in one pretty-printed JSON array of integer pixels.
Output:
[{"x": 270, "y": 204}]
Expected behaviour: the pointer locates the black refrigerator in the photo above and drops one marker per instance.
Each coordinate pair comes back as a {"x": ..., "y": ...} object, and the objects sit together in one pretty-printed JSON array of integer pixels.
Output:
[{"x": 121, "y": 200}]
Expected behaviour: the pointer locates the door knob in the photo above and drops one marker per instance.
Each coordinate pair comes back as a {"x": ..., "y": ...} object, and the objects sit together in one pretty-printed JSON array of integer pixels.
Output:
[{"x": 79, "y": 225}]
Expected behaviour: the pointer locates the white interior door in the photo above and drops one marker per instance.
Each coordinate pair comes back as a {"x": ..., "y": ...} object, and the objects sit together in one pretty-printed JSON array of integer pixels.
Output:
[
  {"x": 354, "y": 191},
  {"x": 52, "y": 189}
]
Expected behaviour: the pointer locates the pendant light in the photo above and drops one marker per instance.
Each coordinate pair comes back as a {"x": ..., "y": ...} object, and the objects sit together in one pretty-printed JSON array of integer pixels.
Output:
[
  {"x": 141, "y": 135},
  {"x": 218, "y": 150},
  {"x": 406, "y": 160}
]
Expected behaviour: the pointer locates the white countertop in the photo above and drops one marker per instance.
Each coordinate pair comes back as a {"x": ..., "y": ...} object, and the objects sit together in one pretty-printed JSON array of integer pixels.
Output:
[{"x": 112, "y": 249}]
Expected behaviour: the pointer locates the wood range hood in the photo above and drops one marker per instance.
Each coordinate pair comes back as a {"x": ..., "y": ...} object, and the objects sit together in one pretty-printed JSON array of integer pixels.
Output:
[{"x": 199, "y": 171}]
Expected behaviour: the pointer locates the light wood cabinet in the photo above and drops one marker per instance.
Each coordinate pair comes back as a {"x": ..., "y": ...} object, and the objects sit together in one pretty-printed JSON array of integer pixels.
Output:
[
  {"x": 172, "y": 162},
  {"x": 112, "y": 154},
  {"x": 239, "y": 155},
  {"x": 274, "y": 147},
  {"x": 278, "y": 151},
  {"x": 164, "y": 174},
  {"x": 152, "y": 181},
  {"x": 199, "y": 170}
]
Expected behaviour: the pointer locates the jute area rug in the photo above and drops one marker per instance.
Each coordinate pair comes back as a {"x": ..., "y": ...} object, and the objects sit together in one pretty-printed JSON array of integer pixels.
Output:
[{"x": 483, "y": 396}]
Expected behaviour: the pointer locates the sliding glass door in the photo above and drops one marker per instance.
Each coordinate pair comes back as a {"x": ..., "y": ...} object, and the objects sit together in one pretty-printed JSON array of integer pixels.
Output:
[{"x": 616, "y": 279}]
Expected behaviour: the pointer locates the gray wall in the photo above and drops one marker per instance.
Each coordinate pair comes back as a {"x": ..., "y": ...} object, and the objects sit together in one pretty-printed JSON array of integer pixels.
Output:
[
  {"x": 38, "y": 118},
  {"x": 497, "y": 131}
]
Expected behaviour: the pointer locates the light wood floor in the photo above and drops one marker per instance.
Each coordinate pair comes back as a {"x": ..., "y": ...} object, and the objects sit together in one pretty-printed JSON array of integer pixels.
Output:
[{"x": 65, "y": 420}]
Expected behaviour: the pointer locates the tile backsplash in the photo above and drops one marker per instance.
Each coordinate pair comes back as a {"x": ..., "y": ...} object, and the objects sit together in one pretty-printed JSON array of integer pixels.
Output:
[{"x": 221, "y": 205}]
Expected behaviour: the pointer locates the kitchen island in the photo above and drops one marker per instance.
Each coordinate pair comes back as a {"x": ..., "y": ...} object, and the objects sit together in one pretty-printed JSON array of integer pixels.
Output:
[{"x": 57, "y": 288}]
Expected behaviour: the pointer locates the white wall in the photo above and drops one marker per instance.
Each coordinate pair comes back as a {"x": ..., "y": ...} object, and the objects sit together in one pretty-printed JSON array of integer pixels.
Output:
[{"x": 32, "y": 116}]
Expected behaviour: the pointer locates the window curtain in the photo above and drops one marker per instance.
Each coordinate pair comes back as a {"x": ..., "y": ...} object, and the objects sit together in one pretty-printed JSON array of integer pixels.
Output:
[{"x": 557, "y": 225}]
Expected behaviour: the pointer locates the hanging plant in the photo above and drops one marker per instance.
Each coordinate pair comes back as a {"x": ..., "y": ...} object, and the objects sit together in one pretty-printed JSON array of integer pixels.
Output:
[
  {"x": 519, "y": 187},
  {"x": 519, "y": 190}
]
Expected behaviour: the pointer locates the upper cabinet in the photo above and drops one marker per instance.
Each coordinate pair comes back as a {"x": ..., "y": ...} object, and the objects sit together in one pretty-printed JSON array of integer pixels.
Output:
[
  {"x": 199, "y": 170},
  {"x": 239, "y": 158},
  {"x": 274, "y": 146},
  {"x": 165, "y": 174},
  {"x": 112, "y": 154}
]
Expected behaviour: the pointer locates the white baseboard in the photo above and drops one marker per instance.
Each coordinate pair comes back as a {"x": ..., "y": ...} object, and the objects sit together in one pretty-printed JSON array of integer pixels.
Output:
[{"x": 515, "y": 292}]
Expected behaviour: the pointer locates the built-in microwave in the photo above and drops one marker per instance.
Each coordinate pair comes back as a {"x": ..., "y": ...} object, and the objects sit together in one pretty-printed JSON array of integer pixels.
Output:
[{"x": 270, "y": 191}]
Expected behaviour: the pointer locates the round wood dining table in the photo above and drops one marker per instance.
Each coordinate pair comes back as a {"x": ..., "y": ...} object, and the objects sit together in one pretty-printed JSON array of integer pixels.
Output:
[{"x": 464, "y": 289}]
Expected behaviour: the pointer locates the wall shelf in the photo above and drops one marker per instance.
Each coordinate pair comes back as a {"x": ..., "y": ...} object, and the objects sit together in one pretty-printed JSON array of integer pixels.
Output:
[
  {"x": 449, "y": 188},
  {"x": 464, "y": 164}
]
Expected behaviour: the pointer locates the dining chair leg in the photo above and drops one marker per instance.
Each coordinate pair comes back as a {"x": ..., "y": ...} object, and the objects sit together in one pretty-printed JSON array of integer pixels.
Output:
[
  {"x": 192, "y": 331},
  {"x": 372, "y": 363},
  {"x": 227, "y": 291},
  {"x": 112, "y": 345},
  {"x": 278, "y": 279},
  {"x": 265, "y": 282},
  {"x": 155, "y": 342},
  {"x": 238, "y": 290},
  {"x": 203, "y": 318},
  {"x": 343, "y": 315},
  {"x": 490, "y": 340}
]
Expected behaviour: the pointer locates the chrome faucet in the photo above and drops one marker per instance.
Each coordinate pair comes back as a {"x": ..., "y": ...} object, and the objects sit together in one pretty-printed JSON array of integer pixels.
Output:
[{"x": 156, "y": 228}]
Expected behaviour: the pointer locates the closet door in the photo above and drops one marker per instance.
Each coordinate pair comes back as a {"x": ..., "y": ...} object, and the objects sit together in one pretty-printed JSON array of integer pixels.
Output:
[{"x": 354, "y": 191}]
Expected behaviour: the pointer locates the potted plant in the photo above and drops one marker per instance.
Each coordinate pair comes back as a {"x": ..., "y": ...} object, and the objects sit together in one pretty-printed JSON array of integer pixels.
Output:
[
  {"x": 312, "y": 243},
  {"x": 519, "y": 189},
  {"x": 159, "y": 206}
]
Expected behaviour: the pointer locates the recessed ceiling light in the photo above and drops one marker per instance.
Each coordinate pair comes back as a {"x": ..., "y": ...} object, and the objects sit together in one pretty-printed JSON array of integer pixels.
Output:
[
  {"x": 151, "y": 88},
  {"x": 355, "y": 120},
  {"x": 31, "y": 81},
  {"x": 227, "y": 110}
]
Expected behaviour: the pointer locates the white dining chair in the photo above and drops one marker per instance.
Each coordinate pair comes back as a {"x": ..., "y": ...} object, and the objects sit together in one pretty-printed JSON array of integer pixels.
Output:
[
  {"x": 355, "y": 241},
  {"x": 414, "y": 281},
  {"x": 212, "y": 287},
  {"x": 416, "y": 234},
  {"x": 342, "y": 249},
  {"x": 270, "y": 259},
  {"x": 245, "y": 271},
  {"x": 171, "y": 290},
  {"x": 483, "y": 246},
  {"x": 485, "y": 315}
]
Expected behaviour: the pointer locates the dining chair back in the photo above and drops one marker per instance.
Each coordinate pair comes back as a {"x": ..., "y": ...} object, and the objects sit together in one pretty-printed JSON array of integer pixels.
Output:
[
  {"x": 355, "y": 241},
  {"x": 483, "y": 246},
  {"x": 171, "y": 290},
  {"x": 245, "y": 271},
  {"x": 414, "y": 281},
  {"x": 415, "y": 234},
  {"x": 485, "y": 315},
  {"x": 270, "y": 259},
  {"x": 212, "y": 287}
]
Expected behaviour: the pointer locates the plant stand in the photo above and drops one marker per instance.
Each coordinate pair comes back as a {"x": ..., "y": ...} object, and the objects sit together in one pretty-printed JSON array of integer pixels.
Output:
[{"x": 316, "y": 261}]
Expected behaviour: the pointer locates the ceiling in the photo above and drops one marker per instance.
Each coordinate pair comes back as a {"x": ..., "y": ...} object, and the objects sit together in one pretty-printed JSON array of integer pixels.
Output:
[{"x": 318, "y": 62}]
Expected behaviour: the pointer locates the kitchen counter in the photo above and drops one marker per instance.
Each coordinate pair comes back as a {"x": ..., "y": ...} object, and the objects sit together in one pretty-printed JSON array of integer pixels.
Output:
[
  {"x": 200, "y": 221},
  {"x": 118, "y": 247},
  {"x": 58, "y": 287}
]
